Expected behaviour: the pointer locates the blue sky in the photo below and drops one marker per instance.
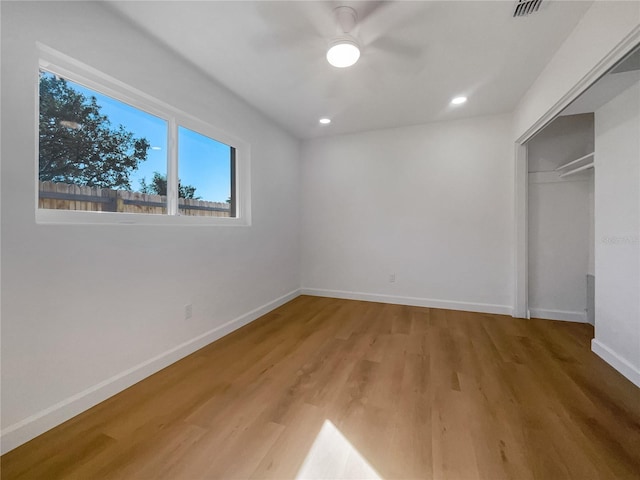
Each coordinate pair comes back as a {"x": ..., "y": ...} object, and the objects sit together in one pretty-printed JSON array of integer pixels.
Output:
[{"x": 203, "y": 162}]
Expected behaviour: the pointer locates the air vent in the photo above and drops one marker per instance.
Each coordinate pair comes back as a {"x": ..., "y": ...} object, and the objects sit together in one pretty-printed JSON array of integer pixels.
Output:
[{"x": 525, "y": 7}]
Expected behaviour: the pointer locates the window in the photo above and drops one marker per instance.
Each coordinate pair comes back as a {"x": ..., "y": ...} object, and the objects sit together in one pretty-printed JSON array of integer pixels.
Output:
[
  {"x": 96, "y": 153},
  {"x": 107, "y": 150},
  {"x": 206, "y": 174}
]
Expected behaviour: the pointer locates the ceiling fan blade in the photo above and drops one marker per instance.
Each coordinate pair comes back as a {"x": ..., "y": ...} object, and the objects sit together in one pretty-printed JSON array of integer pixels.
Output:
[
  {"x": 286, "y": 40},
  {"x": 394, "y": 60},
  {"x": 395, "y": 47},
  {"x": 292, "y": 24},
  {"x": 311, "y": 16},
  {"x": 385, "y": 17}
]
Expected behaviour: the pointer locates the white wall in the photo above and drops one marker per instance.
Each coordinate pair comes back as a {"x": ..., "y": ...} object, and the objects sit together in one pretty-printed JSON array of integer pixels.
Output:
[
  {"x": 558, "y": 249},
  {"x": 602, "y": 28},
  {"x": 567, "y": 138},
  {"x": 591, "y": 264},
  {"x": 617, "y": 232},
  {"x": 430, "y": 204},
  {"x": 88, "y": 310},
  {"x": 559, "y": 220}
]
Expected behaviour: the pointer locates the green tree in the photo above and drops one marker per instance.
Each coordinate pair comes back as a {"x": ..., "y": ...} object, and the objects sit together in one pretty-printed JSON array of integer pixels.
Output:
[
  {"x": 78, "y": 145},
  {"x": 158, "y": 186}
]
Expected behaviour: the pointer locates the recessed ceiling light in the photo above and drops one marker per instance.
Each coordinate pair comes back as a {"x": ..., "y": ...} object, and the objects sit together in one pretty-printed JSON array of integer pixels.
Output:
[
  {"x": 325, "y": 121},
  {"x": 459, "y": 100}
]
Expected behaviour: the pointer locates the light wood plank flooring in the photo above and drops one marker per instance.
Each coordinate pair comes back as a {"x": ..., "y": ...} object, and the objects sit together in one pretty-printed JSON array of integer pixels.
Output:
[{"x": 416, "y": 392}]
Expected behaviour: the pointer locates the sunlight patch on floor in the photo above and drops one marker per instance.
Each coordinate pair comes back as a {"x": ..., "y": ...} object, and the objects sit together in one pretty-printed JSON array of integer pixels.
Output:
[{"x": 332, "y": 457}]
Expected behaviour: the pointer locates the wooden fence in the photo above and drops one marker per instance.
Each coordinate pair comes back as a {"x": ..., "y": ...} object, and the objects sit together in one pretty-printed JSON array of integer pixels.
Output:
[{"x": 62, "y": 196}]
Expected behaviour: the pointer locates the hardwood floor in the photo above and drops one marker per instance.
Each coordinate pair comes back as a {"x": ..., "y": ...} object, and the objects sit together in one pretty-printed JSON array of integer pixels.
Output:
[{"x": 416, "y": 392}]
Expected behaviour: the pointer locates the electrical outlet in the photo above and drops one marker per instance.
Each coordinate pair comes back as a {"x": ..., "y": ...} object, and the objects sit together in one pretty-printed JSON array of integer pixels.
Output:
[
  {"x": 392, "y": 278},
  {"x": 188, "y": 311}
]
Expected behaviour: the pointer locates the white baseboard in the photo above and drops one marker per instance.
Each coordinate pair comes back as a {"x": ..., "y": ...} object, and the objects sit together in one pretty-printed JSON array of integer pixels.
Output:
[
  {"x": 616, "y": 361},
  {"x": 23, "y": 431},
  {"x": 412, "y": 301},
  {"x": 562, "y": 315}
]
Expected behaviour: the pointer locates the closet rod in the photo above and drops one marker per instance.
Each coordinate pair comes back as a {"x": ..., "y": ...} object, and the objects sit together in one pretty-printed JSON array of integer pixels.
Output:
[
  {"x": 562, "y": 167},
  {"x": 576, "y": 170}
]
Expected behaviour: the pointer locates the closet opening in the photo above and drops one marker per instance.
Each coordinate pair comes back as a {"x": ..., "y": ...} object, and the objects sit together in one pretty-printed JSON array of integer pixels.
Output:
[{"x": 582, "y": 205}]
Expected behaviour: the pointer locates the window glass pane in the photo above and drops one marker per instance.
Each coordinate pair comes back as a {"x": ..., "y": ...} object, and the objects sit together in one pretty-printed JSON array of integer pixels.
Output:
[
  {"x": 97, "y": 153},
  {"x": 205, "y": 175}
]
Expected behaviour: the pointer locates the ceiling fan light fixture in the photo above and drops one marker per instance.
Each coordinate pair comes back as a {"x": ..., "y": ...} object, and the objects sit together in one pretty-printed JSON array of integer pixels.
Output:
[{"x": 343, "y": 51}]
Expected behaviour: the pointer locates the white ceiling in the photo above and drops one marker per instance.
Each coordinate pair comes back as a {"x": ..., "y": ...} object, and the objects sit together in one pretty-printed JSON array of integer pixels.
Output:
[
  {"x": 416, "y": 56},
  {"x": 601, "y": 92},
  {"x": 621, "y": 77}
]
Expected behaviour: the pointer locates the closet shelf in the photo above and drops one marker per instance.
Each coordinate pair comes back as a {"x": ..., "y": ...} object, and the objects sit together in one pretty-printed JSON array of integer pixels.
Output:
[
  {"x": 579, "y": 169},
  {"x": 573, "y": 162}
]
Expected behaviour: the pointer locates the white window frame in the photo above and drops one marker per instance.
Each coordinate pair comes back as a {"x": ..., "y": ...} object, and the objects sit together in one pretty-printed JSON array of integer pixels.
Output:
[{"x": 59, "y": 64}]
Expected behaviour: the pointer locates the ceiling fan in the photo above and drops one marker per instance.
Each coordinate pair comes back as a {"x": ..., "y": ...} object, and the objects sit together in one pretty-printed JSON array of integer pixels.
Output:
[
  {"x": 344, "y": 49},
  {"x": 372, "y": 28}
]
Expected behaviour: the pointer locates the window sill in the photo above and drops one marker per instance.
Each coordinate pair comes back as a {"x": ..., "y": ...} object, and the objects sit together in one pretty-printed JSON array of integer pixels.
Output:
[{"x": 75, "y": 217}]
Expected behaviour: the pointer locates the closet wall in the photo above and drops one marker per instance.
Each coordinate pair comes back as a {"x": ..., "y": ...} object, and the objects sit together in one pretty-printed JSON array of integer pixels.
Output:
[
  {"x": 560, "y": 220},
  {"x": 617, "y": 255}
]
